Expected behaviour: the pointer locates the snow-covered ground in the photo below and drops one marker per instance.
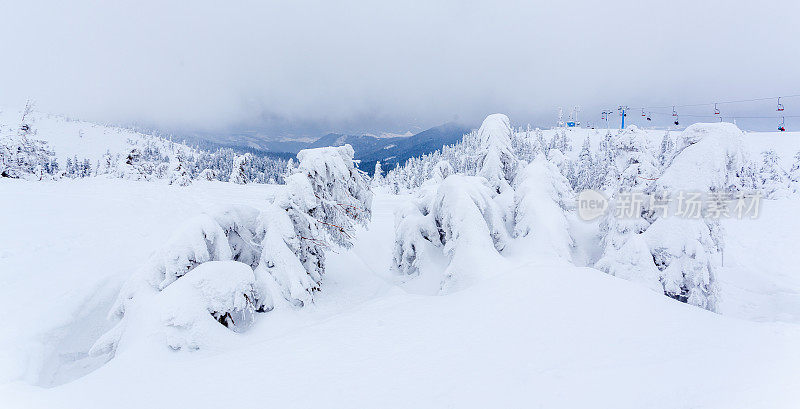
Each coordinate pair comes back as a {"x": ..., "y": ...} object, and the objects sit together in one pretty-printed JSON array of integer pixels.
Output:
[{"x": 540, "y": 333}]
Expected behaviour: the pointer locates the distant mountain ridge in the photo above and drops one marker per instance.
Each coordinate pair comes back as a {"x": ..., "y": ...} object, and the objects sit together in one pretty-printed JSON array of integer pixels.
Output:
[{"x": 390, "y": 151}]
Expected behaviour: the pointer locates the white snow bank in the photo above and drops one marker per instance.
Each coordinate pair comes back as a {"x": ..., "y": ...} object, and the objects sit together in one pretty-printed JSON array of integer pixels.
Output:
[{"x": 216, "y": 292}]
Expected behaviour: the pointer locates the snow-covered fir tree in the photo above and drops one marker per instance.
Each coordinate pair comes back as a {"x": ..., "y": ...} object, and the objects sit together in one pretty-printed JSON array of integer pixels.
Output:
[
  {"x": 774, "y": 180},
  {"x": 585, "y": 169},
  {"x": 498, "y": 163},
  {"x": 635, "y": 160},
  {"x": 794, "y": 172},
  {"x": 667, "y": 150},
  {"x": 239, "y": 170},
  {"x": 226, "y": 266},
  {"x": 180, "y": 175},
  {"x": 377, "y": 175},
  {"x": 542, "y": 197},
  {"x": 458, "y": 220}
]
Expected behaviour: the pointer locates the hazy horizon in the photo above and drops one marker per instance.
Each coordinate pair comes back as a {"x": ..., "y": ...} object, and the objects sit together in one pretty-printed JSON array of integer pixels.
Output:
[{"x": 309, "y": 68}]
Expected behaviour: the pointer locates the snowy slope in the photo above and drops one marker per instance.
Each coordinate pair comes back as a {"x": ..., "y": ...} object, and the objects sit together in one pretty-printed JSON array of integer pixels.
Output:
[
  {"x": 538, "y": 334},
  {"x": 62, "y": 265},
  {"x": 69, "y": 138}
]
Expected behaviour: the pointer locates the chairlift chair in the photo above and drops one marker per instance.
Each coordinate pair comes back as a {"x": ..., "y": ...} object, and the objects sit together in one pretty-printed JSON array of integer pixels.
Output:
[
  {"x": 780, "y": 106},
  {"x": 781, "y": 126}
]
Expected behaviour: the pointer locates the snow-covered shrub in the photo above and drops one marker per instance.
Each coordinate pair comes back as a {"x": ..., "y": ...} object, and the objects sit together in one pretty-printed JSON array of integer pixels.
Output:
[
  {"x": 542, "y": 196},
  {"x": 498, "y": 163},
  {"x": 462, "y": 222}
]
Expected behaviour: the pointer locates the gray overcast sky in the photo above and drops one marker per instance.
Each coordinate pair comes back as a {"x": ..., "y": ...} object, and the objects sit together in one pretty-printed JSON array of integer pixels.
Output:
[{"x": 307, "y": 67}]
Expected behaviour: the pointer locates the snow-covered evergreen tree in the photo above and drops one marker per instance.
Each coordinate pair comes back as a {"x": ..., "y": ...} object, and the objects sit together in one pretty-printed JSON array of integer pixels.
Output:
[
  {"x": 774, "y": 180},
  {"x": 276, "y": 256},
  {"x": 459, "y": 220},
  {"x": 667, "y": 150},
  {"x": 239, "y": 171},
  {"x": 794, "y": 172},
  {"x": 377, "y": 175},
  {"x": 180, "y": 175},
  {"x": 686, "y": 254},
  {"x": 635, "y": 159},
  {"x": 498, "y": 164},
  {"x": 542, "y": 197},
  {"x": 585, "y": 169}
]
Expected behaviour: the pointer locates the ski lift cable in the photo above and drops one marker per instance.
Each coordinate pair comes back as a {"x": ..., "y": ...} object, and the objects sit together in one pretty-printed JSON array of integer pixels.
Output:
[
  {"x": 721, "y": 102},
  {"x": 726, "y": 116}
]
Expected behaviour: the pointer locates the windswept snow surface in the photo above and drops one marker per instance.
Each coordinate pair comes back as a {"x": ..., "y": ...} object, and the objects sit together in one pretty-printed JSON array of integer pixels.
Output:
[{"x": 538, "y": 333}]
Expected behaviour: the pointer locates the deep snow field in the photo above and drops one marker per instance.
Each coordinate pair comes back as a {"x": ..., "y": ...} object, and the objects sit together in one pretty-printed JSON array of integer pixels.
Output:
[{"x": 538, "y": 332}]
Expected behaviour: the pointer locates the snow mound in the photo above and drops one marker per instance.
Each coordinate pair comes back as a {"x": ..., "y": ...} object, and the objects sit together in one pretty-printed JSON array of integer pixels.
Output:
[
  {"x": 216, "y": 292},
  {"x": 709, "y": 157}
]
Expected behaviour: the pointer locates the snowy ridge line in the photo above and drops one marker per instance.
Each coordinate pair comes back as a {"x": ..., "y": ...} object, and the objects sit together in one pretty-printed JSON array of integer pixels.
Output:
[{"x": 38, "y": 146}]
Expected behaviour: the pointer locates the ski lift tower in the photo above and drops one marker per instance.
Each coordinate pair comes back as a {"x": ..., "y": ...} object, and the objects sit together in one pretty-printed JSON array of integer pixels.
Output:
[{"x": 623, "y": 114}]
